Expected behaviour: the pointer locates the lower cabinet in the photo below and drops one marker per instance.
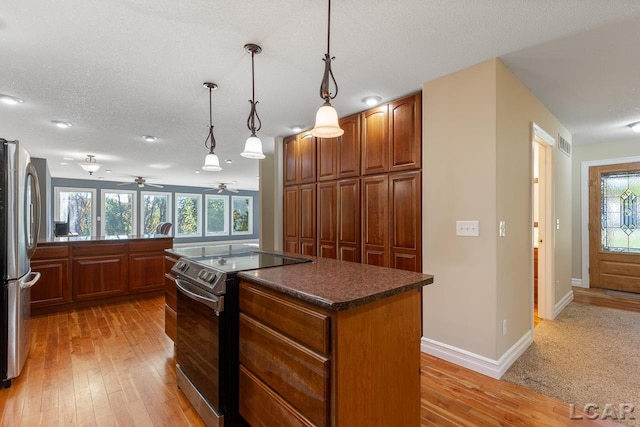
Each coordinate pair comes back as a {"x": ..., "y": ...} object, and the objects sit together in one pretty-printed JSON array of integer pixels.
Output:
[
  {"x": 301, "y": 365},
  {"x": 170, "y": 297},
  {"x": 53, "y": 288},
  {"x": 99, "y": 271}
]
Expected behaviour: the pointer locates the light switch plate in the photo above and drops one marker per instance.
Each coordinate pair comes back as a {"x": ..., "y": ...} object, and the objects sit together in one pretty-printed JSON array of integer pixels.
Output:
[{"x": 467, "y": 228}]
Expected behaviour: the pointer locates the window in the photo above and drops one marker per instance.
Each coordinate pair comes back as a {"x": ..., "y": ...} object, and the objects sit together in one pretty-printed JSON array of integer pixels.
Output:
[
  {"x": 242, "y": 214},
  {"x": 188, "y": 215},
  {"x": 118, "y": 213},
  {"x": 217, "y": 215},
  {"x": 156, "y": 208},
  {"x": 77, "y": 207}
]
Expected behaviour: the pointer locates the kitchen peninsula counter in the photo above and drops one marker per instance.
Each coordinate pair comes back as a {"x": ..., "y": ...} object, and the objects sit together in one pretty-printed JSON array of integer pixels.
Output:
[{"x": 79, "y": 271}]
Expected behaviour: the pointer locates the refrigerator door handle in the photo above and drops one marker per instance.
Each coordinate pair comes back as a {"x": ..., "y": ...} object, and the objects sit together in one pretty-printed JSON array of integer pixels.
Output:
[
  {"x": 33, "y": 225},
  {"x": 33, "y": 281}
]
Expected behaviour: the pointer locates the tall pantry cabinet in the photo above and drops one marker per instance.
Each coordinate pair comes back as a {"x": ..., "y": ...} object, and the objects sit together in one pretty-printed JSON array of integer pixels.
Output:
[{"x": 358, "y": 197}]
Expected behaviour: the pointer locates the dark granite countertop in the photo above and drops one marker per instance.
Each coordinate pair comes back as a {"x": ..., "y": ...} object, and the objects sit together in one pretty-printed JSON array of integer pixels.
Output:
[
  {"x": 81, "y": 239},
  {"x": 336, "y": 285}
]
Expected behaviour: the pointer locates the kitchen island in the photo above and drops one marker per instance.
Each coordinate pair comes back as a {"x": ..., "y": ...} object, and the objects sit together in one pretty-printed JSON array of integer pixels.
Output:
[
  {"x": 83, "y": 270},
  {"x": 328, "y": 343}
]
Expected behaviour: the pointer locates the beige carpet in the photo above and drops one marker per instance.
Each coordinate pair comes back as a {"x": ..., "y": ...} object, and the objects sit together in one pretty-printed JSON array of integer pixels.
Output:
[{"x": 588, "y": 354}]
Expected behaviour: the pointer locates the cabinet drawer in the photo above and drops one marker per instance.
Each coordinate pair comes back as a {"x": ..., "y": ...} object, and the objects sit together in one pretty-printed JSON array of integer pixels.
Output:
[
  {"x": 150, "y": 245},
  {"x": 261, "y": 407},
  {"x": 170, "y": 323},
  {"x": 303, "y": 324},
  {"x": 100, "y": 250},
  {"x": 296, "y": 373},
  {"x": 50, "y": 252}
]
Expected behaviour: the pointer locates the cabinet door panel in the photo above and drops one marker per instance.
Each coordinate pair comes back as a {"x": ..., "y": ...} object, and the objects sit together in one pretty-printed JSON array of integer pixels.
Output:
[
  {"x": 291, "y": 220},
  {"x": 295, "y": 372},
  {"x": 327, "y": 213},
  {"x": 146, "y": 271},
  {"x": 308, "y": 219},
  {"x": 405, "y": 135},
  {"x": 406, "y": 220},
  {"x": 349, "y": 220},
  {"x": 290, "y": 160},
  {"x": 348, "y": 155},
  {"x": 307, "y": 158},
  {"x": 375, "y": 220},
  {"x": 53, "y": 286},
  {"x": 99, "y": 276},
  {"x": 327, "y": 158},
  {"x": 375, "y": 141}
]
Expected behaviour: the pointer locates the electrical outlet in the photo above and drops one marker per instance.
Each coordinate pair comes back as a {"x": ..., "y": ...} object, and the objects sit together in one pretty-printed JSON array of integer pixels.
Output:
[
  {"x": 504, "y": 327},
  {"x": 502, "y": 229},
  {"x": 467, "y": 228}
]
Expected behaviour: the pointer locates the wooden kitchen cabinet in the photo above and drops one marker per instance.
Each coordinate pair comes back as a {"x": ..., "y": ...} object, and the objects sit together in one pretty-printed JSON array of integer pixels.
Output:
[
  {"x": 375, "y": 220},
  {"x": 405, "y": 221},
  {"x": 308, "y": 241},
  {"x": 340, "y": 157},
  {"x": 146, "y": 266},
  {"x": 54, "y": 285},
  {"x": 375, "y": 140},
  {"x": 405, "y": 133},
  {"x": 327, "y": 219},
  {"x": 301, "y": 365},
  {"x": 292, "y": 219},
  {"x": 99, "y": 270},
  {"x": 79, "y": 273},
  {"x": 348, "y": 219},
  {"x": 299, "y": 159}
]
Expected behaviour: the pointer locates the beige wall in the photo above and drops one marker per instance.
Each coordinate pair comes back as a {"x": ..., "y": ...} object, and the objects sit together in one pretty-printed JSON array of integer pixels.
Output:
[
  {"x": 477, "y": 166},
  {"x": 271, "y": 196},
  {"x": 583, "y": 153}
]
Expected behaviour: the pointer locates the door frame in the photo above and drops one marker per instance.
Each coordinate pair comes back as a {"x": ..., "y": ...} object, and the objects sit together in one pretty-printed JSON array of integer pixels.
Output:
[
  {"x": 584, "y": 209},
  {"x": 546, "y": 253}
]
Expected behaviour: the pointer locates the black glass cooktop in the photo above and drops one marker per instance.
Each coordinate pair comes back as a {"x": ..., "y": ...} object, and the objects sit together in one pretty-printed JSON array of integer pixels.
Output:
[{"x": 234, "y": 258}]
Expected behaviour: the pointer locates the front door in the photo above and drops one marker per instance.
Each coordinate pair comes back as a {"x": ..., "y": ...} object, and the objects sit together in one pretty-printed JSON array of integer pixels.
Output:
[{"x": 614, "y": 227}]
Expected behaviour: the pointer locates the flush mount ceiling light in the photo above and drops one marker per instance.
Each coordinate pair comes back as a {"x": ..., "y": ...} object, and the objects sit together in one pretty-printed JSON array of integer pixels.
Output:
[
  {"x": 149, "y": 138},
  {"x": 297, "y": 128},
  {"x": 253, "y": 146},
  {"x": 635, "y": 127},
  {"x": 371, "y": 100},
  {"x": 211, "y": 162},
  {"x": 90, "y": 164},
  {"x": 10, "y": 100},
  {"x": 61, "y": 125},
  {"x": 327, "y": 118}
]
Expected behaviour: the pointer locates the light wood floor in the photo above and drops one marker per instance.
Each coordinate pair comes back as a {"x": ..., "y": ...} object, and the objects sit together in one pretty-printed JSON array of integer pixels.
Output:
[{"x": 113, "y": 365}]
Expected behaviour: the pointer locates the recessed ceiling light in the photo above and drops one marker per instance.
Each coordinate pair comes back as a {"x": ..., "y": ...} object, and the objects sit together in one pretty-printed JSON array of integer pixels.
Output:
[
  {"x": 10, "y": 100},
  {"x": 68, "y": 158},
  {"x": 108, "y": 171},
  {"x": 149, "y": 138},
  {"x": 197, "y": 171},
  {"x": 371, "y": 100},
  {"x": 258, "y": 177},
  {"x": 635, "y": 127},
  {"x": 297, "y": 128},
  {"x": 64, "y": 164},
  {"x": 100, "y": 178},
  {"x": 228, "y": 161},
  {"x": 61, "y": 125},
  {"x": 234, "y": 182}
]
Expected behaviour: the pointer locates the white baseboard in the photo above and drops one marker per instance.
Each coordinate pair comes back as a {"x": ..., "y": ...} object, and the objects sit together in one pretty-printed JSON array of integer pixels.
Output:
[
  {"x": 475, "y": 362},
  {"x": 577, "y": 283},
  {"x": 560, "y": 305}
]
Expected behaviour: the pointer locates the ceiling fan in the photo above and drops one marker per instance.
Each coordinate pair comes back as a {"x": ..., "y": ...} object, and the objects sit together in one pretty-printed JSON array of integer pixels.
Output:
[
  {"x": 222, "y": 187},
  {"x": 141, "y": 182}
]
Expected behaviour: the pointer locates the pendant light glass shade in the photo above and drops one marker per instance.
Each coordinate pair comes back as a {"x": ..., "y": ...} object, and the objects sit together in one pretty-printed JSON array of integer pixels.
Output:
[
  {"x": 253, "y": 148},
  {"x": 211, "y": 163},
  {"x": 327, "y": 125}
]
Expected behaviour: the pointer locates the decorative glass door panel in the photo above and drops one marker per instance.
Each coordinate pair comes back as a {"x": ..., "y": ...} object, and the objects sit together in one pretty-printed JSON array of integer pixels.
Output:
[{"x": 620, "y": 216}]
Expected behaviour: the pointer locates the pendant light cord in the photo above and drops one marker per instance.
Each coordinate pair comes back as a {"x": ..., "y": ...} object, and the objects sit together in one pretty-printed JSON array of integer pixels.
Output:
[
  {"x": 253, "y": 114},
  {"x": 325, "y": 89},
  {"x": 210, "y": 137}
]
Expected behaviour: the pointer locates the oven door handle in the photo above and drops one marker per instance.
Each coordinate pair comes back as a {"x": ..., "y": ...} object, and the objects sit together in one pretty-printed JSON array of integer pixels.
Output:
[{"x": 213, "y": 302}]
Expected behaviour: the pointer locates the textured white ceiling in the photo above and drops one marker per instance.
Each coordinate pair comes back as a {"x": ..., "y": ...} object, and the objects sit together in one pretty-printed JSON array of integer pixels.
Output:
[{"x": 120, "y": 69}]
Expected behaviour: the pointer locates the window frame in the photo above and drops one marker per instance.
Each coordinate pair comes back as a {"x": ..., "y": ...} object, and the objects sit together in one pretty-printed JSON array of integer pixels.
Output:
[
  {"x": 176, "y": 227},
  {"x": 142, "y": 205},
  {"x": 249, "y": 219},
  {"x": 134, "y": 207},
  {"x": 94, "y": 197},
  {"x": 225, "y": 232}
]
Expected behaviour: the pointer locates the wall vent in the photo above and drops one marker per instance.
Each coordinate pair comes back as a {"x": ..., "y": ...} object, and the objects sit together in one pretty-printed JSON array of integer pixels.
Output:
[{"x": 564, "y": 146}]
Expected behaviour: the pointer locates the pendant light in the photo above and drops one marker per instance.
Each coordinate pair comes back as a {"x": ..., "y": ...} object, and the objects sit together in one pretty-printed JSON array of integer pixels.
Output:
[
  {"x": 90, "y": 164},
  {"x": 253, "y": 146},
  {"x": 327, "y": 118},
  {"x": 211, "y": 162}
]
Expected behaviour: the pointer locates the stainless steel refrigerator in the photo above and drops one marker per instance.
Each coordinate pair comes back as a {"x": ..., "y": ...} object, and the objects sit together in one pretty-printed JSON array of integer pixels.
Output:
[{"x": 19, "y": 225}]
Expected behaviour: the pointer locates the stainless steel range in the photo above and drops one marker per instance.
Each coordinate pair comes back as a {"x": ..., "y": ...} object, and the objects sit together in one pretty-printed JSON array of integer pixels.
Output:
[{"x": 207, "y": 341}]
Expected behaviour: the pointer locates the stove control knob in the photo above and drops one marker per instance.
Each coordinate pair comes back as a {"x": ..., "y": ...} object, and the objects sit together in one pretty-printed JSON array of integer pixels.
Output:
[{"x": 181, "y": 265}]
